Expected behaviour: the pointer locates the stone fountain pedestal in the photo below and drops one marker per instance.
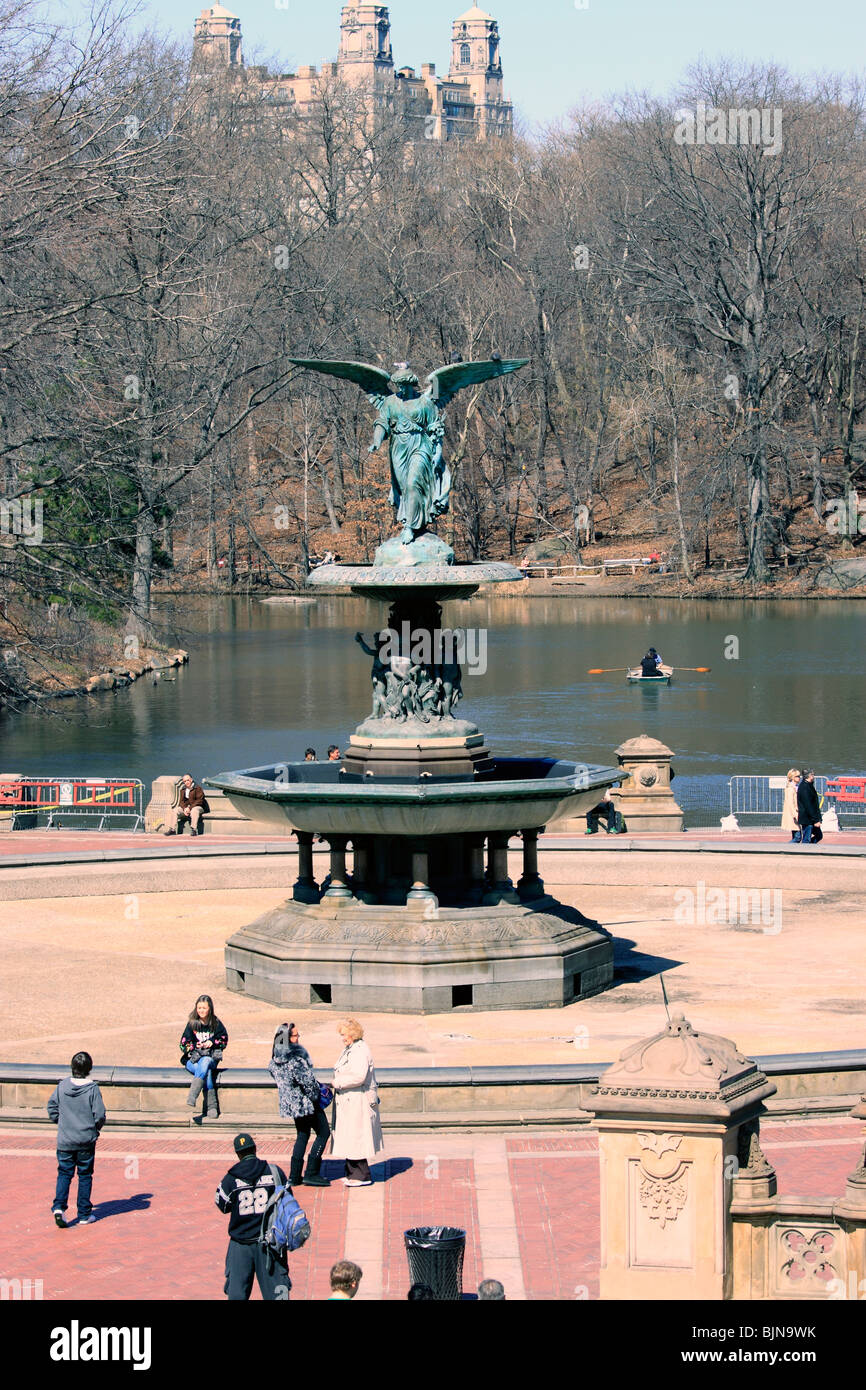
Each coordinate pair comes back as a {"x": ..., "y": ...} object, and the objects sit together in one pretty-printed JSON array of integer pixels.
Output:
[{"x": 420, "y": 958}]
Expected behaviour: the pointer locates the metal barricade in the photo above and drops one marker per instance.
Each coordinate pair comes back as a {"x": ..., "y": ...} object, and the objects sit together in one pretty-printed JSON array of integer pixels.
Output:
[
  {"x": 99, "y": 802},
  {"x": 763, "y": 797},
  {"x": 848, "y": 795}
]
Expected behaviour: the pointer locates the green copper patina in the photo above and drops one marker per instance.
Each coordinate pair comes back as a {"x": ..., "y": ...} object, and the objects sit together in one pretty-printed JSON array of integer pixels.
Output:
[{"x": 414, "y": 422}]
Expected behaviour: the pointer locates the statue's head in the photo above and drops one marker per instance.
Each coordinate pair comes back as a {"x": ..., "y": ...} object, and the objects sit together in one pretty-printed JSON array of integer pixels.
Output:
[{"x": 405, "y": 383}]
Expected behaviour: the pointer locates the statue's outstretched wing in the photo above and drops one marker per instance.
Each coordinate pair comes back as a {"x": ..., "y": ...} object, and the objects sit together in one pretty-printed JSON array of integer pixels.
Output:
[
  {"x": 372, "y": 380},
  {"x": 445, "y": 382}
]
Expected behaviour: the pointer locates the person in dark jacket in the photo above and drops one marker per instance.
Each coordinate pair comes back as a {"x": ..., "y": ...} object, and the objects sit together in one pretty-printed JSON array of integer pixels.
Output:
[
  {"x": 244, "y": 1193},
  {"x": 808, "y": 808},
  {"x": 202, "y": 1044},
  {"x": 300, "y": 1098},
  {"x": 191, "y": 807},
  {"x": 76, "y": 1108},
  {"x": 651, "y": 665}
]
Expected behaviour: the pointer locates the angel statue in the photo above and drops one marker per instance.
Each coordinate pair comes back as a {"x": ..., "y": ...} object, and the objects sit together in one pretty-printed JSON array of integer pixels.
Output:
[{"x": 414, "y": 423}]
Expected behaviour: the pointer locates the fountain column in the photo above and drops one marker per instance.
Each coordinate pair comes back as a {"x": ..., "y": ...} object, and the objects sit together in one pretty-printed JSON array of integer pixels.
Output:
[
  {"x": 475, "y": 887},
  {"x": 500, "y": 888},
  {"x": 306, "y": 890},
  {"x": 362, "y": 866},
  {"x": 421, "y": 890},
  {"x": 339, "y": 889},
  {"x": 531, "y": 885}
]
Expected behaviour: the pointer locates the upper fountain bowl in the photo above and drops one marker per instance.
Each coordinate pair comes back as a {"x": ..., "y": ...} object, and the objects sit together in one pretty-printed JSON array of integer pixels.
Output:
[{"x": 322, "y": 798}]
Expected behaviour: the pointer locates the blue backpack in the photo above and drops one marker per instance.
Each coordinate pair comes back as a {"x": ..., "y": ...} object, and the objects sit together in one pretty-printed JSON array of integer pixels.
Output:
[{"x": 285, "y": 1227}]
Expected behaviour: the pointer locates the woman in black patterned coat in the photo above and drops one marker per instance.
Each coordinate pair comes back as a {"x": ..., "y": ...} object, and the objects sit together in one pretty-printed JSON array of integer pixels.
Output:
[{"x": 300, "y": 1098}]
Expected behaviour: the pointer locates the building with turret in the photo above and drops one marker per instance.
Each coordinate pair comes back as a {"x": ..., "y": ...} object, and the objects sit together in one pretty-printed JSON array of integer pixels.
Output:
[{"x": 468, "y": 104}]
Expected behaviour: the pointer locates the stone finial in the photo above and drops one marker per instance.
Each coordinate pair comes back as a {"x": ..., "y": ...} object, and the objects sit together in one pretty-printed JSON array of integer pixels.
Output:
[
  {"x": 681, "y": 1058},
  {"x": 680, "y": 1067},
  {"x": 643, "y": 747}
]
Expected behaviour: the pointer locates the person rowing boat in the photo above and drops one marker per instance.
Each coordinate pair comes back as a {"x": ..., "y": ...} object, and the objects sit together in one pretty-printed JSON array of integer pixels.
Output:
[{"x": 651, "y": 665}]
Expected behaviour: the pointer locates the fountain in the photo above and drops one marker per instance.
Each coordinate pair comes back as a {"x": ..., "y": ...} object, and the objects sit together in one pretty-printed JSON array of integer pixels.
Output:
[{"x": 428, "y": 919}]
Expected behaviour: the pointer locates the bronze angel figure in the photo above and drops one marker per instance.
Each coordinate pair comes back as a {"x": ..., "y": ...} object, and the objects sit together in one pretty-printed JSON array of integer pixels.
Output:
[{"x": 414, "y": 423}]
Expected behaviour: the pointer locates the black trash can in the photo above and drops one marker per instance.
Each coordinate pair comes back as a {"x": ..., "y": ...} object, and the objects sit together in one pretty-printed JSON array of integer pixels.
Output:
[{"x": 435, "y": 1255}]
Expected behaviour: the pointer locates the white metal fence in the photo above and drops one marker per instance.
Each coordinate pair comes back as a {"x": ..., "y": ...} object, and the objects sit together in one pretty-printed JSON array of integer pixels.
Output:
[{"x": 763, "y": 798}]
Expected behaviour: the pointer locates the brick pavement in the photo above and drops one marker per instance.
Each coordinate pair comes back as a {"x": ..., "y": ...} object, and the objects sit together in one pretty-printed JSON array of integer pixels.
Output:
[{"x": 159, "y": 1236}]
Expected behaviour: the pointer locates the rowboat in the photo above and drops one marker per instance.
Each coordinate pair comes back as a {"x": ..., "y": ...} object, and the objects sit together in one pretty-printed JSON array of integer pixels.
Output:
[{"x": 636, "y": 676}]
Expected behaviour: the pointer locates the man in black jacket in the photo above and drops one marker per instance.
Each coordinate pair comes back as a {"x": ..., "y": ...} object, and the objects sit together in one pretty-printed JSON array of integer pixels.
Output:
[
  {"x": 244, "y": 1193},
  {"x": 808, "y": 808}
]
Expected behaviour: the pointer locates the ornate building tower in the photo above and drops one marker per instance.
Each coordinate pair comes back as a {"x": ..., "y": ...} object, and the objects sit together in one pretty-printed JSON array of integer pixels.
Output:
[
  {"x": 365, "y": 44},
  {"x": 217, "y": 39},
  {"x": 476, "y": 64}
]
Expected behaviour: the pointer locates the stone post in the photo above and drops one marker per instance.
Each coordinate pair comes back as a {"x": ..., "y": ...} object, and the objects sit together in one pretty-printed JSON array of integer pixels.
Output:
[
  {"x": 164, "y": 797},
  {"x": 476, "y": 882},
  {"x": 338, "y": 890},
  {"x": 306, "y": 889},
  {"x": 421, "y": 892},
  {"x": 500, "y": 889},
  {"x": 669, "y": 1115},
  {"x": 851, "y": 1216},
  {"x": 530, "y": 886},
  {"x": 645, "y": 799},
  {"x": 361, "y": 874}
]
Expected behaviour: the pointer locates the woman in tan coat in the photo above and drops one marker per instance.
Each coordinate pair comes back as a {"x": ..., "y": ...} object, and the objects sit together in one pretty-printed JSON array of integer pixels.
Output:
[
  {"x": 358, "y": 1130},
  {"x": 789, "y": 808}
]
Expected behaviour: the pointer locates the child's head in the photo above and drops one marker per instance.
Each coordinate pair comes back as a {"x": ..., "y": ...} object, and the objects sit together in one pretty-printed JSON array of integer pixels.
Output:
[
  {"x": 82, "y": 1065},
  {"x": 345, "y": 1278}
]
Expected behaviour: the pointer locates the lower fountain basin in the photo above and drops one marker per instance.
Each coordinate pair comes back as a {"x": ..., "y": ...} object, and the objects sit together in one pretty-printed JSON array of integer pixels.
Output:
[{"x": 513, "y": 794}]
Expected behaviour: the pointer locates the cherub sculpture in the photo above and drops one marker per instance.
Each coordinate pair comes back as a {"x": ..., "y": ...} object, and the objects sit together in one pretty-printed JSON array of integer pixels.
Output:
[{"x": 414, "y": 423}]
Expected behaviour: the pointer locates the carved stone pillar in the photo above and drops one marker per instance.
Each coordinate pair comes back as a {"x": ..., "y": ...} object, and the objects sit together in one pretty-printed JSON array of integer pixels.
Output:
[
  {"x": 306, "y": 890},
  {"x": 338, "y": 889},
  {"x": 500, "y": 889},
  {"x": 476, "y": 882},
  {"x": 530, "y": 885},
  {"x": 850, "y": 1213},
  {"x": 669, "y": 1115},
  {"x": 645, "y": 799},
  {"x": 421, "y": 892},
  {"x": 361, "y": 886}
]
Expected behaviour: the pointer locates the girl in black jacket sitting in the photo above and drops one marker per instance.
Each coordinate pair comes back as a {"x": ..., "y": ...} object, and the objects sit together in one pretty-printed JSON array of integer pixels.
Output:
[
  {"x": 300, "y": 1098},
  {"x": 202, "y": 1045}
]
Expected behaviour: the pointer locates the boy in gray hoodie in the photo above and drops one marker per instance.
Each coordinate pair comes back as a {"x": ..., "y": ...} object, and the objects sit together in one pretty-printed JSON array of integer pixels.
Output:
[{"x": 76, "y": 1107}]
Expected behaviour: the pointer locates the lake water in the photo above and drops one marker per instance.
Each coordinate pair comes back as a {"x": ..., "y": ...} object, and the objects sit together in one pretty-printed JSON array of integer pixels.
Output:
[{"x": 266, "y": 680}]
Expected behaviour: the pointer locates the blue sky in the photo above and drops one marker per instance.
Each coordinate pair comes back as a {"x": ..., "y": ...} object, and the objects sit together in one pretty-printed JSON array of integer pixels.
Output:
[{"x": 556, "y": 55}]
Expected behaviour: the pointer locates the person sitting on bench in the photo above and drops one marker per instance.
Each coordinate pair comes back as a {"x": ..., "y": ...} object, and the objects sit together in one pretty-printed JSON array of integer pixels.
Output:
[
  {"x": 191, "y": 807},
  {"x": 606, "y": 811}
]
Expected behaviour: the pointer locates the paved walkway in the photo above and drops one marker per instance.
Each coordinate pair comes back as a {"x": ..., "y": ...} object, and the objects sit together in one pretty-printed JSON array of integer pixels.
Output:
[{"x": 529, "y": 1205}]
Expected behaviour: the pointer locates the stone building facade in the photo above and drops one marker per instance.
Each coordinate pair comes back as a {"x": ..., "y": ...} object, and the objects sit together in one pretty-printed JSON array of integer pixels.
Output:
[{"x": 468, "y": 104}]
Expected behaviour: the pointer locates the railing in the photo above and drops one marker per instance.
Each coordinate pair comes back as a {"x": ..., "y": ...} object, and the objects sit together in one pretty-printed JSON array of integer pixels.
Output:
[
  {"x": 764, "y": 796},
  {"x": 603, "y": 567},
  {"x": 51, "y": 801}
]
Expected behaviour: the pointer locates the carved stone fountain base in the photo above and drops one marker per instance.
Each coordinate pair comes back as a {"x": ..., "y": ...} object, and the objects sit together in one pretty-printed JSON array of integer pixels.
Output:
[
  {"x": 420, "y": 958},
  {"x": 416, "y": 753}
]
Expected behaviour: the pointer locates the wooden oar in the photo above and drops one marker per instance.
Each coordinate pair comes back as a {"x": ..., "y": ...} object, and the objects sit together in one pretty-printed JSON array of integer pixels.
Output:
[{"x": 613, "y": 670}]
